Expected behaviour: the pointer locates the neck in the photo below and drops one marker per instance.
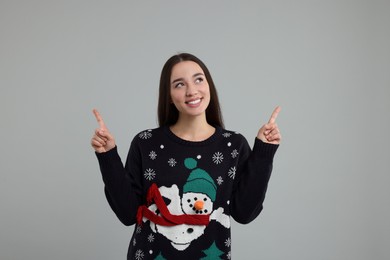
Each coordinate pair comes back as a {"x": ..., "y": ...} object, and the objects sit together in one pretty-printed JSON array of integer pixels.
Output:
[{"x": 192, "y": 129}]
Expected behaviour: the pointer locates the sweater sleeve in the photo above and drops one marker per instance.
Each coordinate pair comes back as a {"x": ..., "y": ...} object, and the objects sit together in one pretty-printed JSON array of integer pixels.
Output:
[
  {"x": 250, "y": 186},
  {"x": 122, "y": 185}
]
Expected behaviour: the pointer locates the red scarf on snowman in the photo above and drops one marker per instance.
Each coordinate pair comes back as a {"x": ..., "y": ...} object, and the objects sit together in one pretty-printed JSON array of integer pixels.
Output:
[{"x": 166, "y": 218}]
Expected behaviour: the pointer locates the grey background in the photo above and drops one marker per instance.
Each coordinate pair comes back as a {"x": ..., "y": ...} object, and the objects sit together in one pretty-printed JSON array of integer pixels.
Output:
[{"x": 326, "y": 63}]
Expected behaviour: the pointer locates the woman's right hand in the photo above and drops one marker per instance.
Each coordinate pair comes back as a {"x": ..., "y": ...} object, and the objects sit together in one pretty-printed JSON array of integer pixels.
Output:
[{"x": 102, "y": 141}]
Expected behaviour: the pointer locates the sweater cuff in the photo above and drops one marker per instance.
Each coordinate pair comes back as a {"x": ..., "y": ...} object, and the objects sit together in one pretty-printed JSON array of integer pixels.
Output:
[
  {"x": 108, "y": 156},
  {"x": 265, "y": 149}
]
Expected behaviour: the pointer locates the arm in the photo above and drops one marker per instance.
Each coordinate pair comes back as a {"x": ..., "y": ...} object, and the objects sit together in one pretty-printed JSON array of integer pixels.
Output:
[
  {"x": 255, "y": 169},
  {"x": 122, "y": 187},
  {"x": 251, "y": 184}
]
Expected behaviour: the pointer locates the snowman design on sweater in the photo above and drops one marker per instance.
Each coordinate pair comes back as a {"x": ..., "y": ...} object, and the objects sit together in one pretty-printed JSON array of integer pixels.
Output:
[{"x": 185, "y": 218}]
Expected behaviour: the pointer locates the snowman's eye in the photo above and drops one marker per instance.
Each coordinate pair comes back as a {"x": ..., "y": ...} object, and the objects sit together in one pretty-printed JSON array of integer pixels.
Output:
[
  {"x": 195, "y": 198},
  {"x": 188, "y": 200},
  {"x": 205, "y": 199}
]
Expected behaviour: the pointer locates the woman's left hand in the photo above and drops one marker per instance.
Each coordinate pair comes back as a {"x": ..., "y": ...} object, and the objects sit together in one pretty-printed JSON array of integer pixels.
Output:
[{"x": 269, "y": 133}]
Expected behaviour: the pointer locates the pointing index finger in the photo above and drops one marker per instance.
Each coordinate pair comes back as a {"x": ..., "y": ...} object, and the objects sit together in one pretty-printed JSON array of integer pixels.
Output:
[
  {"x": 99, "y": 119},
  {"x": 274, "y": 115}
]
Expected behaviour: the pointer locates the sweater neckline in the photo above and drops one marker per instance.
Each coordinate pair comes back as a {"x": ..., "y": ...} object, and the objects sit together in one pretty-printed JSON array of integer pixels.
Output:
[{"x": 212, "y": 138}]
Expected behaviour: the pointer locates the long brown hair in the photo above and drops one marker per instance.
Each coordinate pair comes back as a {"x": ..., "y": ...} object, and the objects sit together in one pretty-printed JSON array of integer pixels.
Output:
[{"x": 167, "y": 112}]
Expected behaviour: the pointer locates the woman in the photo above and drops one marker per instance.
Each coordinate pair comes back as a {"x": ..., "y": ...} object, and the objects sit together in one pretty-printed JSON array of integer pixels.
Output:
[{"x": 184, "y": 180}]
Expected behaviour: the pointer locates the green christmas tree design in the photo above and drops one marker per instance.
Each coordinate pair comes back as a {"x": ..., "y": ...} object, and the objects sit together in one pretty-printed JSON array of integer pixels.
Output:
[
  {"x": 212, "y": 252},
  {"x": 159, "y": 257}
]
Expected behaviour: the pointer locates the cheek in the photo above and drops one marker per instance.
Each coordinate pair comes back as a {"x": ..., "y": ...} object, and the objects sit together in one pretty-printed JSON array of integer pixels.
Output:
[
  {"x": 174, "y": 97},
  {"x": 205, "y": 90},
  {"x": 176, "y": 102},
  {"x": 207, "y": 97}
]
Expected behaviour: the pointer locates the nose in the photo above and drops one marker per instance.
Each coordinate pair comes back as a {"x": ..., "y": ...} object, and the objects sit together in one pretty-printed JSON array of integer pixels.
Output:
[
  {"x": 191, "y": 90},
  {"x": 199, "y": 205}
]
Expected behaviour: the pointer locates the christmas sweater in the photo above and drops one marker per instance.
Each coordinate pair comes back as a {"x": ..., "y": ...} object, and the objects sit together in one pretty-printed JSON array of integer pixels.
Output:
[{"x": 181, "y": 195}]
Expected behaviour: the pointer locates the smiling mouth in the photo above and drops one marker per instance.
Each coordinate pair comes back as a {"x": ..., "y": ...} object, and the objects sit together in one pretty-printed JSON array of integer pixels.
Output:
[
  {"x": 180, "y": 247},
  {"x": 181, "y": 244},
  {"x": 194, "y": 102}
]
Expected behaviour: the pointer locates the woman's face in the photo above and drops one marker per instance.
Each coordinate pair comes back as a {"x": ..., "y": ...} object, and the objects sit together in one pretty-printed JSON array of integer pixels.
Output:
[{"x": 190, "y": 91}]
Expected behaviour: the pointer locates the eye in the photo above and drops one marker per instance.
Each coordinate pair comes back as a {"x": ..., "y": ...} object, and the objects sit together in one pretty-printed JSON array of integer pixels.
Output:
[
  {"x": 199, "y": 80},
  {"x": 179, "y": 85}
]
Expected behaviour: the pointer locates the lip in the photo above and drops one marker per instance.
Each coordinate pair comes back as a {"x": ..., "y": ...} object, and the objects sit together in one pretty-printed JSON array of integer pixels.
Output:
[{"x": 194, "y": 102}]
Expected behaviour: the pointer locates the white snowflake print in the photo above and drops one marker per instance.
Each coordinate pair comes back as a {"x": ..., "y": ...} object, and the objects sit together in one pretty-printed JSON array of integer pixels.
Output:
[
  {"x": 150, "y": 238},
  {"x": 228, "y": 242},
  {"x": 234, "y": 153},
  {"x": 139, "y": 254},
  {"x": 229, "y": 255},
  {"x": 138, "y": 230},
  {"x": 145, "y": 135},
  {"x": 152, "y": 155},
  {"x": 134, "y": 242},
  {"x": 219, "y": 180},
  {"x": 226, "y": 135},
  {"x": 149, "y": 174},
  {"x": 232, "y": 172},
  {"x": 172, "y": 162},
  {"x": 217, "y": 158}
]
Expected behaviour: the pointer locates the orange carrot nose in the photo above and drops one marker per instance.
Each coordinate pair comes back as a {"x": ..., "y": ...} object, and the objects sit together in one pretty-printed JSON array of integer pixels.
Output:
[{"x": 199, "y": 205}]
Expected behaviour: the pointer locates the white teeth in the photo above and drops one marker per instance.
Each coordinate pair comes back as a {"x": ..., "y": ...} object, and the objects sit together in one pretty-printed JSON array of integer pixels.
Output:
[{"x": 194, "y": 102}]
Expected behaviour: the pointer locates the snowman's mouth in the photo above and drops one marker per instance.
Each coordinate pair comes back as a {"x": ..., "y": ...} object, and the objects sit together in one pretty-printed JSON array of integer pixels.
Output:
[{"x": 199, "y": 211}]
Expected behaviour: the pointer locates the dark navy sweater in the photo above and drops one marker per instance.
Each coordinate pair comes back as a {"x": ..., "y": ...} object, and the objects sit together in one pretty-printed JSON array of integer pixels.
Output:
[{"x": 181, "y": 194}]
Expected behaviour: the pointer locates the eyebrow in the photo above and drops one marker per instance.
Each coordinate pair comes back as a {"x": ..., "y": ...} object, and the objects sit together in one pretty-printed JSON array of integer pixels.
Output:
[{"x": 182, "y": 79}]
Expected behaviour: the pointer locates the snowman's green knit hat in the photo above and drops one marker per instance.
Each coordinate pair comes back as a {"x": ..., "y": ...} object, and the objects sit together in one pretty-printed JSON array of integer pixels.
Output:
[{"x": 199, "y": 180}]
